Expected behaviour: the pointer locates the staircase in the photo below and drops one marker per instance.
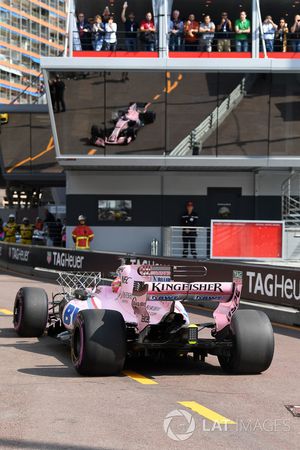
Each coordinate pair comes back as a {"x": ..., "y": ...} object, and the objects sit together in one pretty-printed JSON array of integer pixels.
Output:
[
  {"x": 200, "y": 134},
  {"x": 290, "y": 200}
]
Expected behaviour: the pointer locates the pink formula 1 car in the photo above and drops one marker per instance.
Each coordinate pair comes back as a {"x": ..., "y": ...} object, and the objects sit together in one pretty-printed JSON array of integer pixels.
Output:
[
  {"x": 141, "y": 313},
  {"x": 126, "y": 126}
]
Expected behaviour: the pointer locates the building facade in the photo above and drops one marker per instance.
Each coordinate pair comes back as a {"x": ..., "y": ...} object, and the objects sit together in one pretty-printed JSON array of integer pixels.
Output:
[{"x": 29, "y": 29}]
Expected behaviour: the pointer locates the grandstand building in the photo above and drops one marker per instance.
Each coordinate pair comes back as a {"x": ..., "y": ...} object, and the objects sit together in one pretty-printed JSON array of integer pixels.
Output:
[{"x": 29, "y": 29}]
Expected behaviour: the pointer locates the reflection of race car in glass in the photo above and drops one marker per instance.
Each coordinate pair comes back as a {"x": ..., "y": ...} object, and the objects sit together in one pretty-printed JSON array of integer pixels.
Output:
[
  {"x": 3, "y": 118},
  {"x": 127, "y": 124},
  {"x": 141, "y": 313}
]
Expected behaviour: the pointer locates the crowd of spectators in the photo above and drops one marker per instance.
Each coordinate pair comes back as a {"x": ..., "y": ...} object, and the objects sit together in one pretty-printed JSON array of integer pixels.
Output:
[
  {"x": 224, "y": 34},
  {"x": 101, "y": 32},
  {"x": 51, "y": 231}
]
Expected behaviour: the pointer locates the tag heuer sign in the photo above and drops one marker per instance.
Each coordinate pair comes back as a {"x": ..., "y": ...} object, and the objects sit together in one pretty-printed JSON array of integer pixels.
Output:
[{"x": 49, "y": 257}]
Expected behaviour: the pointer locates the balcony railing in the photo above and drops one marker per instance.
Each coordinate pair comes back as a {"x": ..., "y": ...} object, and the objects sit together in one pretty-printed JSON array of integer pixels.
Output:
[{"x": 219, "y": 45}]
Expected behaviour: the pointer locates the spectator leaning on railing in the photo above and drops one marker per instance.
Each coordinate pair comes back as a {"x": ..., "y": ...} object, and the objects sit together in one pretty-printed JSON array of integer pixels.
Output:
[
  {"x": 242, "y": 29},
  {"x": 98, "y": 33},
  {"x": 269, "y": 31},
  {"x": 110, "y": 39},
  {"x": 224, "y": 29},
  {"x": 191, "y": 30},
  {"x": 148, "y": 30},
  {"x": 295, "y": 31},
  {"x": 207, "y": 30},
  {"x": 281, "y": 36},
  {"x": 84, "y": 30},
  {"x": 175, "y": 32},
  {"x": 131, "y": 29}
]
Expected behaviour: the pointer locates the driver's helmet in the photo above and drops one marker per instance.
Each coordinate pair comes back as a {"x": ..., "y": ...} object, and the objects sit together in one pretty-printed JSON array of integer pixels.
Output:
[
  {"x": 81, "y": 218},
  {"x": 25, "y": 220},
  {"x": 11, "y": 218}
]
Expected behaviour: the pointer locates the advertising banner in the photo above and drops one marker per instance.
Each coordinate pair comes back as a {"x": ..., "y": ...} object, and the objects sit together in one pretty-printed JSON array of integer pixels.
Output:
[
  {"x": 246, "y": 239},
  {"x": 261, "y": 283}
]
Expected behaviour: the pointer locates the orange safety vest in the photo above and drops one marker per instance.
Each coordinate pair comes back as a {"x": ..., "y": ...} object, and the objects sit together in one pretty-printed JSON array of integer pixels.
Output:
[{"x": 82, "y": 235}]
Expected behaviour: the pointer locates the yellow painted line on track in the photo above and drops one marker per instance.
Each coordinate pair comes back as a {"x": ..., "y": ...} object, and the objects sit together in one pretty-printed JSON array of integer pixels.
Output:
[
  {"x": 6, "y": 312},
  {"x": 92, "y": 151},
  {"x": 49, "y": 147},
  {"x": 138, "y": 377},
  {"x": 207, "y": 413}
]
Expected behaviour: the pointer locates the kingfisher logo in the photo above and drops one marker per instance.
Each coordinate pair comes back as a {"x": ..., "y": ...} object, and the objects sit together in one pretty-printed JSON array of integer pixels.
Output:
[
  {"x": 193, "y": 287},
  {"x": 65, "y": 260}
]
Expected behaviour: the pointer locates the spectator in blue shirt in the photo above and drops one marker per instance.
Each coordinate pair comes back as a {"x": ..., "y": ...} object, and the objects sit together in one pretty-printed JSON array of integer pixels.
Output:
[
  {"x": 269, "y": 31},
  {"x": 175, "y": 32}
]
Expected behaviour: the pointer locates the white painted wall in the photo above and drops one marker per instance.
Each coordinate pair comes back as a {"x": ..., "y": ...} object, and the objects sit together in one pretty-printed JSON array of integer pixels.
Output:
[
  {"x": 128, "y": 239},
  {"x": 173, "y": 183}
]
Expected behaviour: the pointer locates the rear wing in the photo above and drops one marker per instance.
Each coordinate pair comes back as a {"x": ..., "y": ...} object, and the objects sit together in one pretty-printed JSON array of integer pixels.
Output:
[
  {"x": 172, "y": 272},
  {"x": 172, "y": 288}
]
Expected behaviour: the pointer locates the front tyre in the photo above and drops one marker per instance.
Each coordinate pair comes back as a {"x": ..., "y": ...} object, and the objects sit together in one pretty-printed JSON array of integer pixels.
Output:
[
  {"x": 30, "y": 312},
  {"x": 98, "y": 345},
  {"x": 253, "y": 343}
]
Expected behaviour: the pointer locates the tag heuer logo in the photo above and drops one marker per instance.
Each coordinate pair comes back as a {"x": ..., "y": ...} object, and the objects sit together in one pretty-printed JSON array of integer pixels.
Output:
[{"x": 49, "y": 257}]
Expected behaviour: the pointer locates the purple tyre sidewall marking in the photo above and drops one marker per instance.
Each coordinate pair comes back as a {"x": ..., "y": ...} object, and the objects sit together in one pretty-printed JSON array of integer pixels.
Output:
[
  {"x": 17, "y": 324},
  {"x": 79, "y": 359}
]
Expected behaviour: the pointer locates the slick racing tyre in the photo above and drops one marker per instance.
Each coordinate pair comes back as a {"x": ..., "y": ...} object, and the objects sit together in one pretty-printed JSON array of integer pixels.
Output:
[
  {"x": 148, "y": 117},
  {"x": 98, "y": 344},
  {"x": 30, "y": 312},
  {"x": 253, "y": 343}
]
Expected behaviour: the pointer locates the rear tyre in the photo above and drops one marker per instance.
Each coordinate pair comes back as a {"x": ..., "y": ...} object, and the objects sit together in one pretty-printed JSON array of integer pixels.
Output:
[
  {"x": 148, "y": 117},
  {"x": 253, "y": 343},
  {"x": 30, "y": 312},
  {"x": 98, "y": 345}
]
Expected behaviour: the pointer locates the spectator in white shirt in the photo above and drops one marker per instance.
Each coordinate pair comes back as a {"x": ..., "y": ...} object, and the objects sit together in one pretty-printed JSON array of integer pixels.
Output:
[
  {"x": 269, "y": 30},
  {"x": 207, "y": 30},
  {"x": 110, "y": 39}
]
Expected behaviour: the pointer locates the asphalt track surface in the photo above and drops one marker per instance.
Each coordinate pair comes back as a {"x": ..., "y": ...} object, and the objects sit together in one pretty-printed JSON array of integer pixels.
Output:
[{"x": 46, "y": 405}]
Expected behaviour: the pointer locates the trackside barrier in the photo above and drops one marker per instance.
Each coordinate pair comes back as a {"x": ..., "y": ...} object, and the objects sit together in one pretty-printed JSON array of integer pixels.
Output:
[{"x": 275, "y": 285}]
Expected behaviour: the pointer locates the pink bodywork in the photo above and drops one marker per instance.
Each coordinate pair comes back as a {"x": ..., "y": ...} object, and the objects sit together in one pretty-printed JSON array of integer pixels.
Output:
[
  {"x": 122, "y": 124},
  {"x": 148, "y": 302}
]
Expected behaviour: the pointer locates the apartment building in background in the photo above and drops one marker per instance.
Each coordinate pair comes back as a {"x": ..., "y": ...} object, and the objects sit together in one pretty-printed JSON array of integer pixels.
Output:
[{"x": 29, "y": 29}]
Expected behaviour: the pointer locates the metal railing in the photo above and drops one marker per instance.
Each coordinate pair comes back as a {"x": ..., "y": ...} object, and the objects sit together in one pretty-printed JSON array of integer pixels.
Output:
[
  {"x": 179, "y": 243},
  {"x": 192, "y": 144},
  {"x": 135, "y": 42},
  {"x": 220, "y": 42},
  {"x": 290, "y": 200}
]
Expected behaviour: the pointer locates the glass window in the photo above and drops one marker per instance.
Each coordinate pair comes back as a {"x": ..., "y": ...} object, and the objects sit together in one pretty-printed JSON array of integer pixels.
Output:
[
  {"x": 243, "y": 128},
  {"x": 285, "y": 115}
]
